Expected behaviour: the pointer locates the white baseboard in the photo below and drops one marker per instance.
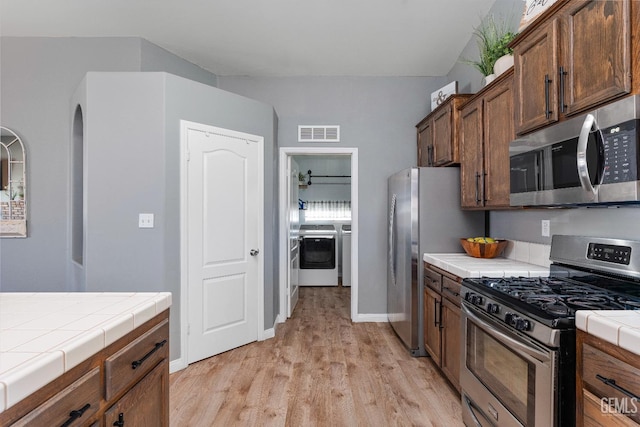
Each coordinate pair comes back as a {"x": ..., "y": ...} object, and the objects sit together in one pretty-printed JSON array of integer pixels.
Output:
[
  {"x": 177, "y": 365},
  {"x": 270, "y": 333},
  {"x": 372, "y": 317}
]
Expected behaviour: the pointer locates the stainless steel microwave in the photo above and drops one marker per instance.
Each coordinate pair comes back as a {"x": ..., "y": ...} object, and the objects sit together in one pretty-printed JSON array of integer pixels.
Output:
[{"x": 589, "y": 159}]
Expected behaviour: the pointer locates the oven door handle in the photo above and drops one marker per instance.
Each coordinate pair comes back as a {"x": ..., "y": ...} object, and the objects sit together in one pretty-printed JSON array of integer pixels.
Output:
[
  {"x": 471, "y": 407},
  {"x": 495, "y": 333},
  {"x": 583, "y": 167}
]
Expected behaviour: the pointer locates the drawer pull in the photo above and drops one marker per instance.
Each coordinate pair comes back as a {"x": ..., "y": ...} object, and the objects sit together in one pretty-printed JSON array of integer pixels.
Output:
[
  {"x": 137, "y": 363},
  {"x": 120, "y": 422},
  {"x": 75, "y": 414},
  {"x": 611, "y": 382},
  {"x": 451, "y": 291}
]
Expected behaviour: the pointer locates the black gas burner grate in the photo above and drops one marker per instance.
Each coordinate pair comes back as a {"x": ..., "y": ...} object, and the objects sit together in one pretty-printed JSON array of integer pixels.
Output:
[{"x": 555, "y": 297}]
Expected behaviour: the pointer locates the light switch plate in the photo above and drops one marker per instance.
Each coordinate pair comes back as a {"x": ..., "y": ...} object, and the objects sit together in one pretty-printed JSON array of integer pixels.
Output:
[
  {"x": 145, "y": 220},
  {"x": 546, "y": 226}
]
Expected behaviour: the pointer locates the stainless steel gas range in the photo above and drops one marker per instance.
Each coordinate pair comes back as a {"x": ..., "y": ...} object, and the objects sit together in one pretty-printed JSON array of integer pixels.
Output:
[{"x": 518, "y": 343}]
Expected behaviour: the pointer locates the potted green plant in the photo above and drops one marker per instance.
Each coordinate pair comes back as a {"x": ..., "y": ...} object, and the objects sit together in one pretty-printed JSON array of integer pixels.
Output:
[{"x": 493, "y": 37}]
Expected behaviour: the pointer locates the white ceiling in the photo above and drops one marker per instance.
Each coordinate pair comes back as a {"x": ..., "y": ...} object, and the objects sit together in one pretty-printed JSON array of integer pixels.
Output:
[{"x": 270, "y": 37}]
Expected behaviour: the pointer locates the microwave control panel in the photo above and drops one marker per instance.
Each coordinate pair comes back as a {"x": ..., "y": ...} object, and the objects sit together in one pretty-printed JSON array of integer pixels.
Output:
[
  {"x": 609, "y": 253},
  {"x": 620, "y": 153}
]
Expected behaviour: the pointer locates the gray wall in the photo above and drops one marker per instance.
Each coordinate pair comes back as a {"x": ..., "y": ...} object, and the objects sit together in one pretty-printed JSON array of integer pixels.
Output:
[
  {"x": 468, "y": 77},
  {"x": 378, "y": 116},
  {"x": 38, "y": 77},
  {"x": 133, "y": 121},
  {"x": 326, "y": 188}
]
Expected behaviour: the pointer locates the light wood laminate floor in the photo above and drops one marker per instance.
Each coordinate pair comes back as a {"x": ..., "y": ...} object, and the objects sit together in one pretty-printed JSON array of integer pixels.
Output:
[{"x": 319, "y": 370}]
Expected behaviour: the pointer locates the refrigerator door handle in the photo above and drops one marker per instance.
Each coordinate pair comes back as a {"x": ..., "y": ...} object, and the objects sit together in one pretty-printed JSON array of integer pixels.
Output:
[{"x": 392, "y": 242}]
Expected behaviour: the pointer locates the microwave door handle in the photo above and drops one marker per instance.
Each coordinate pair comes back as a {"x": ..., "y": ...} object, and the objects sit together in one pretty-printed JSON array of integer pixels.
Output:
[{"x": 583, "y": 140}]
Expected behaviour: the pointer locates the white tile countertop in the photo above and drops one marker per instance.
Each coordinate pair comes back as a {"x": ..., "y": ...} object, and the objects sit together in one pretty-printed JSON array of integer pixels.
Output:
[
  {"x": 619, "y": 327},
  {"x": 463, "y": 265},
  {"x": 43, "y": 335},
  {"x": 520, "y": 259}
]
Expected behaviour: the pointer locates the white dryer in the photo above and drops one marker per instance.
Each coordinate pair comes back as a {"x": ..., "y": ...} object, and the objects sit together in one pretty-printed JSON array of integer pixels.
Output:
[{"x": 318, "y": 255}]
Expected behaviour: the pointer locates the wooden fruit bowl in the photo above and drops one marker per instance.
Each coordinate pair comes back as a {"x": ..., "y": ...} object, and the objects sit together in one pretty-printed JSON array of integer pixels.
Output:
[{"x": 484, "y": 250}]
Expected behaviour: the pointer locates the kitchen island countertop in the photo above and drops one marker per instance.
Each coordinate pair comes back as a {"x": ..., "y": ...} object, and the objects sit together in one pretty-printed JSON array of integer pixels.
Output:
[
  {"x": 463, "y": 265},
  {"x": 44, "y": 335},
  {"x": 619, "y": 327}
]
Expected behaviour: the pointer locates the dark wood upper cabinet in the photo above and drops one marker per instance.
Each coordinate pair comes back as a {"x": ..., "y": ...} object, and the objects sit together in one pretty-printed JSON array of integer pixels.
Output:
[
  {"x": 425, "y": 144},
  {"x": 535, "y": 65},
  {"x": 575, "y": 57},
  {"x": 437, "y": 134},
  {"x": 486, "y": 129},
  {"x": 596, "y": 52}
]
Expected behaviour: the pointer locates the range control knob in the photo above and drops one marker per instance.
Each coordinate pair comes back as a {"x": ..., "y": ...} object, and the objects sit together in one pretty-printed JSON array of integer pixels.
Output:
[
  {"x": 493, "y": 308},
  {"x": 509, "y": 318},
  {"x": 477, "y": 300},
  {"x": 522, "y": 324}
]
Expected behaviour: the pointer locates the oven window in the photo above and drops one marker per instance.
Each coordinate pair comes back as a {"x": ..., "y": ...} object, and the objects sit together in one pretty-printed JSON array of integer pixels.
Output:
[
  {"x": 318, "y": 253},
  {"x": 510, "y": 378}
]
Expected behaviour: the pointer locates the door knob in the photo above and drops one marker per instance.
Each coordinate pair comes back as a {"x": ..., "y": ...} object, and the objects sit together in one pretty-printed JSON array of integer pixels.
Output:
[{"x": 254, "y": 252}]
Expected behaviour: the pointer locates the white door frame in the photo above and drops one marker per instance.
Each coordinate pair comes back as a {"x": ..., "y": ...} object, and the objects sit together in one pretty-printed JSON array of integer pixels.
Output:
[
  {"x": 284, "y": 221},
  {"x": 181, "y": 362}
]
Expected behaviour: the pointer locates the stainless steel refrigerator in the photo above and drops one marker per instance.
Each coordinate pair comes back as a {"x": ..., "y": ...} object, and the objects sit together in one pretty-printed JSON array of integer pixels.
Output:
[{"x": 424, "y": 216}]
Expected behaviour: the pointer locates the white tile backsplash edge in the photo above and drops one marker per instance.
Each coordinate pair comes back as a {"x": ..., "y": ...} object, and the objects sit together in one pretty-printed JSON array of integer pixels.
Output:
[{"x": 532, "y": 253}]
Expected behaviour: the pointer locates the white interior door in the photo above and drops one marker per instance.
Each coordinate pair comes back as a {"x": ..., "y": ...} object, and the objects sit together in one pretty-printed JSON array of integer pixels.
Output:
[
  {"x": 224, "y": 231},
  {"x": 294, "y": 226}
]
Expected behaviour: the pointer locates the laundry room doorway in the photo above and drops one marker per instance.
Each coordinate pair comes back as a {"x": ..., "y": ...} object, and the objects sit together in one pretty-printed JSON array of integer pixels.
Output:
[{"x": 318, "y": 188}]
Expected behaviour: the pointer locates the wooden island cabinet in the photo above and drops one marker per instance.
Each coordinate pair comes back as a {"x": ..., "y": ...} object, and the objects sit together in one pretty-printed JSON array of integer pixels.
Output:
[
  {"x": 576, "y": 56},
  {"x": 442, "y": 321},
  {"x": 125, "y": 384}
]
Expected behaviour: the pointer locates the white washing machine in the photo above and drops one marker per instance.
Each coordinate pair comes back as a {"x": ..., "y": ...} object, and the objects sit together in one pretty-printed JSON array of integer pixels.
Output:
[
  {"x": 318, "y": 256},
  {"x": 346, "y": 255}
]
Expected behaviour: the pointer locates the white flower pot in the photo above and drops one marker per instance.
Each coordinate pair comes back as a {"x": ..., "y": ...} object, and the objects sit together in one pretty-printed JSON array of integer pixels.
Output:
[
  {"x": 488, "y": 79},
  {"x": 502, "y": 64}
]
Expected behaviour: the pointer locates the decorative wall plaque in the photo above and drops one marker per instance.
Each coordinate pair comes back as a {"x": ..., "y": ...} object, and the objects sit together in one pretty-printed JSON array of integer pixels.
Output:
[
  {"x": 533, "y": 8},
  {"x": 439, "y": 96}
]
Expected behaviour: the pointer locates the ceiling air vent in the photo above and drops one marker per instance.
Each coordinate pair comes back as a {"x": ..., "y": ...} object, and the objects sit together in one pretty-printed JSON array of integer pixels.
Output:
[{"x": 318, "y": 133}]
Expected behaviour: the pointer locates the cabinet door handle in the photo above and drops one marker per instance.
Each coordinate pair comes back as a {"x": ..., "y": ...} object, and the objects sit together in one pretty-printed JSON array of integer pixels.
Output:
[
  {"x": 120, "y": 422},
  {"x": 435, "y": 312},
  {"x": 430, "y": 155},
  {"x": 484, "y": 187},
  {"x": 547, "y": 100},
  {"x": 562, "y": 74},
  {"x": 75, "y": 414},
  {"x": 478, "y": 188},
  {"x": 136, "y": 363},
  {"x": 611, "y": 382}
]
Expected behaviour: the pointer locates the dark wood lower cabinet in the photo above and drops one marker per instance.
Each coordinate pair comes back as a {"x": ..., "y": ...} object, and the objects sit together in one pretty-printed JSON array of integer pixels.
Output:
[
  {"x": 442, "y": 321},
  {"x": 432, "y": 336},
  {"x": 450, "y": 362},
  {"x": 607, "y": 383},
  {"x": 146, "y": 404}
]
